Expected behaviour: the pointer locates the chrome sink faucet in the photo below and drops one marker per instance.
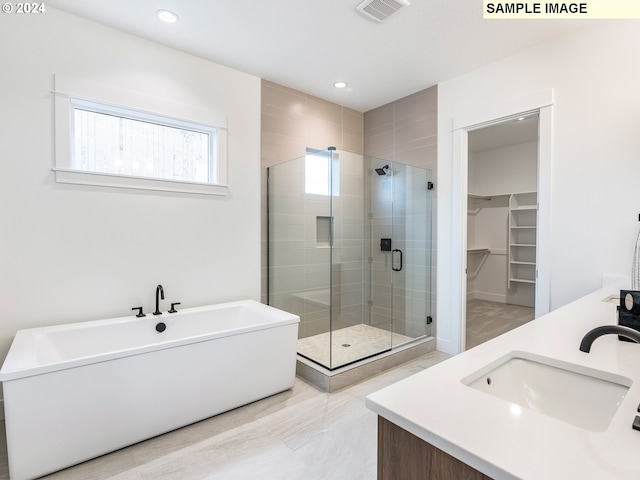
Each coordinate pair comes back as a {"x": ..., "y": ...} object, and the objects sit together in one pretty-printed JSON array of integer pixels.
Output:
[
  {"x": 592, "y": 335},
  {"x": 159, "y": 291}
]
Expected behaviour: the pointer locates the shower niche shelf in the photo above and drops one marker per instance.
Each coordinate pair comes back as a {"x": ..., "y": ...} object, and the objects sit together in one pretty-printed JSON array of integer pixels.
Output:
[{"x": 324, "y": 232}]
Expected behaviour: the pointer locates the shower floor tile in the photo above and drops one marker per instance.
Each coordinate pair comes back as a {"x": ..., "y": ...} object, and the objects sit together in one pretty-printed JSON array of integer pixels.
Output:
[{"x": 348, "y": 344}]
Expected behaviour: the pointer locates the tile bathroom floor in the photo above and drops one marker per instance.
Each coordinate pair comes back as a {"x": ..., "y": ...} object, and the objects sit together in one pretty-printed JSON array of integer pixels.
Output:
[
  {"x": 487, "y": 320},
  {"x": 300, "y": 434}
]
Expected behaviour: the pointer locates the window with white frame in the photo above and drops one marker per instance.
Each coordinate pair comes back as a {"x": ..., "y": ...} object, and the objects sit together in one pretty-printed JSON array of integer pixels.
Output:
[{"x": 103, "y": 143}]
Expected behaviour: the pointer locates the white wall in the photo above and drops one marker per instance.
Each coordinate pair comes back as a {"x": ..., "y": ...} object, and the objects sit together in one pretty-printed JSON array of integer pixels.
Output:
[
  {"x": 595, "y": 156},
  {"x": 72, "y": 253},
  {"x": 508, "y": 169},
  {"x": 487, "y": 228}
]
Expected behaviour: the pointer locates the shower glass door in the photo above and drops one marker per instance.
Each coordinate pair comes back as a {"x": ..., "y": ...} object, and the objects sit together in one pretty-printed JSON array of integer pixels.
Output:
[
  {"x": 411, "y": 254},
  {"x": 399, "y": 279}
]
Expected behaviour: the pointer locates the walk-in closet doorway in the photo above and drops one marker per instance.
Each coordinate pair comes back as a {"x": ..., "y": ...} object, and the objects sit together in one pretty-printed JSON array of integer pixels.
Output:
[
  {"x": 452, "y": 283},
  {"x": 502, "y": 183}
]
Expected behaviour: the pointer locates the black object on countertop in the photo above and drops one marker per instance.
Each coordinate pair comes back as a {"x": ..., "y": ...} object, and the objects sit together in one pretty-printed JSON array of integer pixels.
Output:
[{"x": 629, "y": 317}]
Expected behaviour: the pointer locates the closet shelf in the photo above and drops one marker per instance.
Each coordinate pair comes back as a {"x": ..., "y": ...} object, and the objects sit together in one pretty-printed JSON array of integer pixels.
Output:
[
  {"x": 523, "y": 207},
  {"x": 475, "y": 251},
  {"x": 521, "y": 280},
  {"x": 494, "y": 195},
  {"x": 523, "y": 245},
  {"x": 479, "y": 197},
  {"x": 515, "y": 262}
]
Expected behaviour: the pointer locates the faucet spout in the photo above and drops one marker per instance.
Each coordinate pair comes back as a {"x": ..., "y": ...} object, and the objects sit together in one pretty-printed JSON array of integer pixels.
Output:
[
  {"x": 592, "y": 335},
  {"x": 159, "y": 291}
]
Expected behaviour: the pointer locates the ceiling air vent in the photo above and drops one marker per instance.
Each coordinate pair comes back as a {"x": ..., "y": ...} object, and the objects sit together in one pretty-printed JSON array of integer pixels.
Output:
[{"x": 380, "y": 10}]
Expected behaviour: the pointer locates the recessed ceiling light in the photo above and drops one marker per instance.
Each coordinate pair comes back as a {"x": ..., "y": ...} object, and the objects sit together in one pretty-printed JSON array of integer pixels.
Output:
[
  {"x": 167, "y": 16},
  {"x": 340, "y": 84}
]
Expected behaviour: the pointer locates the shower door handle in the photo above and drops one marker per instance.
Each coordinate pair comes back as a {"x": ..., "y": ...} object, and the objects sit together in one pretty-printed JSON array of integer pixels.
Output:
[{"x": 392, "y": 262}]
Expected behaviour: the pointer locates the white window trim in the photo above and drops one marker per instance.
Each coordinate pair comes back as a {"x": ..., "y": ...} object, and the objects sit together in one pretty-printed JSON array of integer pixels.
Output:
[{"x": 67, "y": 88}]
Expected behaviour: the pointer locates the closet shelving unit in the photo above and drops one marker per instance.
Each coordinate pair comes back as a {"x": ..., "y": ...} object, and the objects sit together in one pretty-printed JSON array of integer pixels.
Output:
[{"x": 523, "y": 214}]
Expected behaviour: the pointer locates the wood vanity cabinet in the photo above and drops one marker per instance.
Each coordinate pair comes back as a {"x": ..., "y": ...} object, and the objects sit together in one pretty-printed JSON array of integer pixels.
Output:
[{"x": 402, "y": 455}]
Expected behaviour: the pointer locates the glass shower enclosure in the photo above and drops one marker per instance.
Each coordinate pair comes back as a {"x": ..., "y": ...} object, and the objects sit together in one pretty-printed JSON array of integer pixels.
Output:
[{"x": 350, "y": 253}]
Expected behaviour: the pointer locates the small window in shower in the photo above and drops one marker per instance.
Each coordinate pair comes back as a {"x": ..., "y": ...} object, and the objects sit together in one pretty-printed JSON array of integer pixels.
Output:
[{"x": 321, "y": 173}]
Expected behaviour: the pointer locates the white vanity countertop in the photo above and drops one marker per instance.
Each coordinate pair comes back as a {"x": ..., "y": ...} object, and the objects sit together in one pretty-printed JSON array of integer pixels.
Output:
[{"x": 481, "y": 430}]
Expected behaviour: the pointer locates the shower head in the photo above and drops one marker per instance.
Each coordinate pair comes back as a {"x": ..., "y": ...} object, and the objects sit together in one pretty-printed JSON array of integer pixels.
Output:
[{"x": 383, "y": 171}]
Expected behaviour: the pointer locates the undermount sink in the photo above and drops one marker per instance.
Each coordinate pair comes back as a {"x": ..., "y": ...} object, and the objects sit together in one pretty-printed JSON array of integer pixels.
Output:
[{"x": 574, "y": 394}]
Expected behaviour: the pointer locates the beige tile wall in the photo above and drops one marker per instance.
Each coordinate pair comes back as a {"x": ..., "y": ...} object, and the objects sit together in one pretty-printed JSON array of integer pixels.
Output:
[
  {"x": 404, "y": 131},
  {"x": 293, "y": 121}
]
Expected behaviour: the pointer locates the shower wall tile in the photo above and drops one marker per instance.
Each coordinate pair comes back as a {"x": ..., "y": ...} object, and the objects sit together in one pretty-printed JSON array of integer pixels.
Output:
[
  {"x": 275, "y": 147},
  {"x": 352, "y": 211},
  {"x": 320, "y": 134},
  {"x": 287, "y": 206},
  {"x": 353, "y": 274},
  {"x": 321, "y": 109},
  {"x": 352, "y": 131},
  {"x": 415, "y": 105},
  {"x": 353, "y": 122},
  {"x": 278, "y": 97},
  {"x": 291, "y": 231},
  {"x": 283, "y": 125},
  {"x": 380, "y": 145},
  {"x": 407, "y": 126},
  {"x": 414, "y": 132},
  {"x": 354, "y": 230},
  {"x": 351, "y": 298},
  {"x": 379, "y": 120},
  {"x": 351, "y": 187},
  {"x": 352, "y": 164},
  {"x": 351, "y": 253},
  {"x": 424, "y": 157},
  {"x": 316, "y": 122},
  {"x": 283, "y": 129}
]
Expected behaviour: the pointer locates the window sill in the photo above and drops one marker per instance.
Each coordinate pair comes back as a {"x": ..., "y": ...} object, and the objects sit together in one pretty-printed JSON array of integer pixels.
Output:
[{"x": 78, "y": 177}]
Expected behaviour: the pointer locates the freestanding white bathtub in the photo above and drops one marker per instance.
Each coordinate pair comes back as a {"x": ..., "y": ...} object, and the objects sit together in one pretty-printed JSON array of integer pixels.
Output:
[{"x": 73, "y": 392}]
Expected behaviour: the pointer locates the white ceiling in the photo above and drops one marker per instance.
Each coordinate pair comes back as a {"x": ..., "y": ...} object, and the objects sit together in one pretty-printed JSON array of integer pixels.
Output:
[
  {"x": 309, "y": 44},
  {"x": 510, "y": 132}
]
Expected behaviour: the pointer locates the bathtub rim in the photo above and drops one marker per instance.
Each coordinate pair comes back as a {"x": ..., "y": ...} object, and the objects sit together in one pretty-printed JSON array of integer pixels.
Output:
[{"x": 25, "y": 339}]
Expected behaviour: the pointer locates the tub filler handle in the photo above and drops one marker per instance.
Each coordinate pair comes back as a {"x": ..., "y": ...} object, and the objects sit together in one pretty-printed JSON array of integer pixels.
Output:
[
  {"x": 173, "y": 307},
  {"x": 140, "y": 312}
]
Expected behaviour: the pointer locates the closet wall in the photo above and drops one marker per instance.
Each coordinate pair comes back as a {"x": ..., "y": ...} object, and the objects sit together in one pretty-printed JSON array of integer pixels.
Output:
[{"x": 495, "y": 174}]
